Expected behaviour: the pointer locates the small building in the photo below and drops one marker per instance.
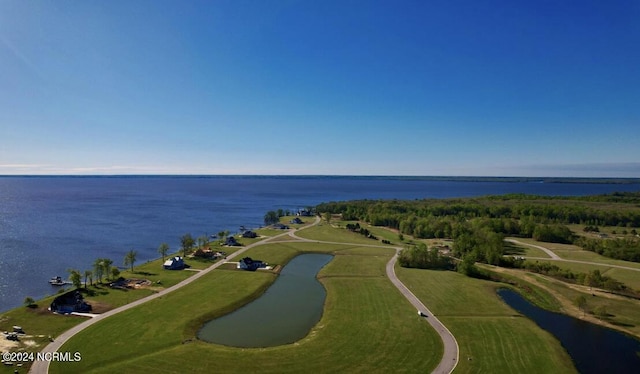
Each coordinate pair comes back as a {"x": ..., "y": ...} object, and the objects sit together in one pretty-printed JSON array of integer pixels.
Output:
[
  {"x": 296, "y": 221},
  {"x": 280, "y": 226},
  {"x": 248, "y": 263},
  {"x": 249, "y": 234},
  {"x": 69, "y": 302},
  {"x": 305, "y": 213},
  {"x": 231, "y": 241},
  {"x": 175, "y": 263}
]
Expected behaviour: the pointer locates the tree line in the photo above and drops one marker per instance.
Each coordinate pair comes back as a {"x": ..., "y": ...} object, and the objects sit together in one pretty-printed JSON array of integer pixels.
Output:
[{"x": 478, "y": 225}]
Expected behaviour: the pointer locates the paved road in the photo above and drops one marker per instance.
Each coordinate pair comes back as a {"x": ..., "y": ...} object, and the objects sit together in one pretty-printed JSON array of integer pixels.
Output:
[
  {"x": 42, "y": 367},
  {"x": 546, "y": 250},
  {"x": 583, "y": 262},
  {"x": 451, "y": 351},
  {"x": 555, "y": 257},
  {"x": 446, "y": 365}
]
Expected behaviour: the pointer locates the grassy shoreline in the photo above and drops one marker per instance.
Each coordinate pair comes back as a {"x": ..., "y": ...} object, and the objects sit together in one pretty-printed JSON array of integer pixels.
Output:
[
  {"x": 335, "y": 335},
  {"x": 359, "y": 297}
]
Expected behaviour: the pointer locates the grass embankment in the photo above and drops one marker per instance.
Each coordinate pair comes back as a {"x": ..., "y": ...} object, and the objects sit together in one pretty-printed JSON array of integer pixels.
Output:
[
  {"x": 622, "y": 313},
  {"x": 367, "y": 325},
  {"x": 492, "y": 337}
]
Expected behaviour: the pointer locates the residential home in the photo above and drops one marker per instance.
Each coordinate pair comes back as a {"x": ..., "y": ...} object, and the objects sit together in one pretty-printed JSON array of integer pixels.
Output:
[
  {"x": 248, "y": 263},
  {"x": 249, "y": 234},
  {"x": 305, "y": 213},
  {"x": 296, "y": 221},
  {"x": 231, "y": 241},
  {"x": 175, "y": 263}
]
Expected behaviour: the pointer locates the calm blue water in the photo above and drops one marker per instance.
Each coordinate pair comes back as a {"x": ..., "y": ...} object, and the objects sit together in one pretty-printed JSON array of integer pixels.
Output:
[
  {"x": 50, "y": 224},
  {"x": 284, "y": 314},
  {"x": 593, "y": 349}
]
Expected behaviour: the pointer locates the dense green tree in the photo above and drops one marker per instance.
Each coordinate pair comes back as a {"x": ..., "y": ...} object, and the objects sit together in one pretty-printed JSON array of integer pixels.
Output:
[
  {"x": 88, "y": 274},
  {"x": 130, "y": 258},
  {"x": 163, "y": 249},
  {"x": 186, "y": 243},
  {"x": 106, "y": 266},
  {"x": 420, "y": 256},
  {"x": 98, "y": 269},
  {"x": 327, "y": 217},
  {"x": 75, "y": 277},
  {"x": 467, "y": 265},
  {"x": 271, "y": 217},
  {"x": 29, "y": 302},
  {"x": 581, "y": 303}
]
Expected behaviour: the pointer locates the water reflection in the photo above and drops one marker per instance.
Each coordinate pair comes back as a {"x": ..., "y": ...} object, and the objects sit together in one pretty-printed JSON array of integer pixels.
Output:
[
  {"x": 284, "y": 314},
  {"x": 593, "y": 348}
]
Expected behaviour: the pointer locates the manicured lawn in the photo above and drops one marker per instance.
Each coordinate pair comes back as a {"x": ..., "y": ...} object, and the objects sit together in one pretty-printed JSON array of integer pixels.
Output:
[
  {"x": 492, "y": 337},
  {"x": 514, "y": 249},
  {"x": 552, "y": 246},
  {"x": 367, "y": 325},
  {"x": 328, "y": 233},
  {"x": 594, "y": 257},
  {"x": 380, "y": 232},
  {"x": 572, "y": 252},
  {"x": 38, "y": 322},
  {"x": 348, "y": 265},
  {"x": 630, "y": 278},
  {"x": 623, "y": 312},
  {"x": 281, "y": 253}
]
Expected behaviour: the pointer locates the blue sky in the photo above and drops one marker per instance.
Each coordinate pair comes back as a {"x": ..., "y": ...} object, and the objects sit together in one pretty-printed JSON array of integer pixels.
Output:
[{"x": 508, "y": 88}]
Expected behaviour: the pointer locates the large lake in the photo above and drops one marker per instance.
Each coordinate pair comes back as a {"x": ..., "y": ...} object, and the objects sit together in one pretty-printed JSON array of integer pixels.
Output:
[
  {"x": 50, "y": 224},
  {"x": 284, "y": 314}
]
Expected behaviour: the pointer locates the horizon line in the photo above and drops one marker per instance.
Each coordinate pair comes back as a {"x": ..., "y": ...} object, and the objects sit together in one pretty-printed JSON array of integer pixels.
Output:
[{"x": 319, "y": 175}]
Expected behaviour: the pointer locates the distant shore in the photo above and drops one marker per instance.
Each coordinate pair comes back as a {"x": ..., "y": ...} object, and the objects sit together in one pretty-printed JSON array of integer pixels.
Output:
[{"x": 583, "y": 180}]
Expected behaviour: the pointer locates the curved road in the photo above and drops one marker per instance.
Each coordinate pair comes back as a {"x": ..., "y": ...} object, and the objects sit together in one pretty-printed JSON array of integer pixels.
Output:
[
  {"x": 451, "y": 351},
  {"x": 555, "y": 257},
  {"x": 546, "y": 250},
  {"x": 447, "y": 363}
]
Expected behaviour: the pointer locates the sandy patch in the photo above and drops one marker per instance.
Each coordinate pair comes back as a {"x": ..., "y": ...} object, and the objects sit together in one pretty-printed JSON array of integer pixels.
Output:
[
  {"x": 7, "y": 345},
  {"x": 30, "y": 343}
]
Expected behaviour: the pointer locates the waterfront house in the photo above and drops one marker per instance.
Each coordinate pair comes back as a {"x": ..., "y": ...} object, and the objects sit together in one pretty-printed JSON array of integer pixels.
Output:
[
  {"x": 280, "y": 226},
  {"x": 69, "y": 302},
  {"x": 296, "y": 221},
  {"x": 231, "y": 241},
  {"x": 305, "y": 213},
  {"x": 249, "y": 234},
  {"x": 248, "y": 263},
  {"x": 175, "y": 263}
]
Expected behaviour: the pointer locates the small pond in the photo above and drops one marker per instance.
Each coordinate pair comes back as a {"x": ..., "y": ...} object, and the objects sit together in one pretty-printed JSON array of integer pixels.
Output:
[
  {"x": 593, "y": 348},
  {"x": 284, "y": 314}
]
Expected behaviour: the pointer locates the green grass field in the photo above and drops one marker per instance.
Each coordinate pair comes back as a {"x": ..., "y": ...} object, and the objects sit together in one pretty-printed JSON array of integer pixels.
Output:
[
  {"x": 367, "y": 326},
  {"x": 623, "y": 312},
  {"x": 630, "y": 278},
  {"x": 328, "y": 233},
  {"x": 493, "y": 338},
  {"x": 514, "y": 249}
]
